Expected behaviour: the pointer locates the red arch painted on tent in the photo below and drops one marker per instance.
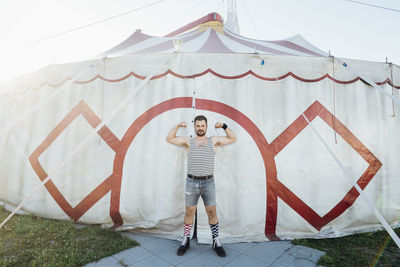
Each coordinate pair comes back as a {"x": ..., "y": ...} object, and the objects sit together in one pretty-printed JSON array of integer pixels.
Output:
[
  {"x": 202, "y": 104},
  {"x": 275, "y": 188}
]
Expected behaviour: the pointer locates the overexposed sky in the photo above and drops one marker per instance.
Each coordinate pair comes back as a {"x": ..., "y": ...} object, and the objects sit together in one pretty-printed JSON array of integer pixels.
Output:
[{"x": 345, "y": 28}]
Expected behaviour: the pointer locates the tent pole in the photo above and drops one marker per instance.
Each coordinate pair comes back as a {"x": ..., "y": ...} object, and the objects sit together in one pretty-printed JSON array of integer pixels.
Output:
[
  {"x": 391, "y": 79},
  {"x": 334, "y": 98}
]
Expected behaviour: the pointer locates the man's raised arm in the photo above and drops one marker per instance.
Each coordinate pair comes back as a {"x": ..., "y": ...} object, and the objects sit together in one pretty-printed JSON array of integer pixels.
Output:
[
  {"x": 224, "y": 140},
  {"x": 177, "y": 140}
]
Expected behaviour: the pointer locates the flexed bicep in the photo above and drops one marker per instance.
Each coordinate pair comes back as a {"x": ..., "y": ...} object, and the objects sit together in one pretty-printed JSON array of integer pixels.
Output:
[
  {"x": 224, "y": 140},
  {"x": 177, "y": 140}
]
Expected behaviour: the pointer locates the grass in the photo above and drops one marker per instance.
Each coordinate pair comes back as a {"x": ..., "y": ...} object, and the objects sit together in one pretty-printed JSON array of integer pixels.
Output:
[
  {"x": 367, "y": 249},
  {"x": 32, "y": 241}
]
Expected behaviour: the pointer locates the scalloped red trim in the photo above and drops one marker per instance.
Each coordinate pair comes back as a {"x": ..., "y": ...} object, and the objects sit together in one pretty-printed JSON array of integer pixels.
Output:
[{"x": 250, "y": 72}]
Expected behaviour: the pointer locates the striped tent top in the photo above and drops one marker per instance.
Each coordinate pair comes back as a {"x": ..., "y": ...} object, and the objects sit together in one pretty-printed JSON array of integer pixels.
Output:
[{"x": 209, "y": 35}]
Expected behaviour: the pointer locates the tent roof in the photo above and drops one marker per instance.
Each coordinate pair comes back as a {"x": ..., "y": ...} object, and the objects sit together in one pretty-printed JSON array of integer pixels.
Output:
[{"x": 208, "y": 35}]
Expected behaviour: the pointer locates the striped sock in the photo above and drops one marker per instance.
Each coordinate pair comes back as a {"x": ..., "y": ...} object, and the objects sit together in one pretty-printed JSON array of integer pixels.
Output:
[
  {"x": 187, "y": 228},
  {"x": 214, "y": 230}
]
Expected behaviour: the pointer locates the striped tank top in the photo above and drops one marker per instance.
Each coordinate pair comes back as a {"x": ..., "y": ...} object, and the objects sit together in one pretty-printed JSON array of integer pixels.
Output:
[{"x": 201, "y": 159}]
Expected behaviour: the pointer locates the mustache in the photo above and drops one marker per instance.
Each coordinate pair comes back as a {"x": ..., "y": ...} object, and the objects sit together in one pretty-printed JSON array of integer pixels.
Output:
[{"x": 200, "y": 132}]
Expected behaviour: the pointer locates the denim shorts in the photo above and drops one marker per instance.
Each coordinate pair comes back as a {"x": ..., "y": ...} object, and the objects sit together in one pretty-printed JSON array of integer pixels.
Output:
[{"x": 196, "y": 188}]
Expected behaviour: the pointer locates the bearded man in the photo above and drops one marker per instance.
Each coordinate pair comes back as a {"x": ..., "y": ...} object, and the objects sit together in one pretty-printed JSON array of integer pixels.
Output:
[{"x": 200, "y": 178}]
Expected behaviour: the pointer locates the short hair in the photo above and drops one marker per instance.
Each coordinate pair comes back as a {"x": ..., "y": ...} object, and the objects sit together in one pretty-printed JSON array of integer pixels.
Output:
[{"x": 200, "y": 118}]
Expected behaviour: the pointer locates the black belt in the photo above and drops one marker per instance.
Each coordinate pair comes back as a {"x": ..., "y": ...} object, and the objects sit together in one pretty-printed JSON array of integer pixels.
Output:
[{"x": 201, "y": 177}]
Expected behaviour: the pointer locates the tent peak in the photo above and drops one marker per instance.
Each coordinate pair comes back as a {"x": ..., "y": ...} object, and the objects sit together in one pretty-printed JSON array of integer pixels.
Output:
[{"x": 214, "y": 16}]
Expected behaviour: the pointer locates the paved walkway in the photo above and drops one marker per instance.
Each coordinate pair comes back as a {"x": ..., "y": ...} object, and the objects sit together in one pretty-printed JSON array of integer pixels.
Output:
[{"x": 156, "y": 251}]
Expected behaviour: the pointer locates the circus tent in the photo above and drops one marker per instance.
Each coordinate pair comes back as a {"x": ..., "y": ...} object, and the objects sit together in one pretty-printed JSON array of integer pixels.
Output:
[
  {"x": 208, "y": 35},
  {"x": 93, "y": 132}
]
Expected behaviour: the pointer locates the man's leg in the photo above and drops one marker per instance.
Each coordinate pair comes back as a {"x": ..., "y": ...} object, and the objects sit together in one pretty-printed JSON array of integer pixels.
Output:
[
  {"x": 188, "y": 223},
  {"x": 192, "y": 194},
  {"x": 209, "y": 198},
  {"x": 187, "y": 228},
  {"x": 212, "y": 214},
  {"x": 214, "y": 226},
  {"x": 189, "y": 214},
  {"x": 213, "y": 221}
]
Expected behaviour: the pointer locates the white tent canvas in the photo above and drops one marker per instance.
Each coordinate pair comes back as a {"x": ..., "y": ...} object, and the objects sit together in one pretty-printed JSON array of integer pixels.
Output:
[{"x": 97, "y": 130}]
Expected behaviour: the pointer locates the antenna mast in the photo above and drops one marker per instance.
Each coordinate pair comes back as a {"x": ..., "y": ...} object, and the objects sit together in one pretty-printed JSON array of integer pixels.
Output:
[{"x": 232, "y": 23}]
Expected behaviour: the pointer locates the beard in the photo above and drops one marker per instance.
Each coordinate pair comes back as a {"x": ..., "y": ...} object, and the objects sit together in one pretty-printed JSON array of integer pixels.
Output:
[{"x": 200, "y": 133}]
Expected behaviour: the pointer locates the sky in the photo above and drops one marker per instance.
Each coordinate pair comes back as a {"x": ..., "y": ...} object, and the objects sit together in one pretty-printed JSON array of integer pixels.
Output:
[{"x": 344, "y": 28}]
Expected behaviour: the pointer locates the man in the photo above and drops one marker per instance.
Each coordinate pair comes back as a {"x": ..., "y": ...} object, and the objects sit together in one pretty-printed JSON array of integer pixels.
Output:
[{"x": 200, "y": 178}]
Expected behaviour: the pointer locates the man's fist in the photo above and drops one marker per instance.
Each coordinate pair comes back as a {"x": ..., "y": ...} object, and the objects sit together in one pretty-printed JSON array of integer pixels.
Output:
[
  {"x": 219, "y": 125},
  {"x": 182, "y": 124}
]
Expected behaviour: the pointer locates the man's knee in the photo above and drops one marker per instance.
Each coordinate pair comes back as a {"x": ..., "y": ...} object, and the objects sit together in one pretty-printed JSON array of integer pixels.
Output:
[
  {"x": 190, "y": 211},
  {"x": 211, "y": 211}
]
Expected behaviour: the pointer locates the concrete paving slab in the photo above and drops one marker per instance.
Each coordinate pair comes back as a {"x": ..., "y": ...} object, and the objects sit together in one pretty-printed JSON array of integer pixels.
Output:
[
  {"x": 170, "y": 253},
  {"x": 133, "y": 255},
  {"x": 268, "y": 254},
  {"x": 285, "y": 260},
  {"x": 158, "y": 244},
  {"x": 199, "y": 261},
  {"x": 244, "y": 260},
  {"x": 239, "y": 247},
  {"x": 152, "y": 261},
  {"x": 212, "y": 256}
]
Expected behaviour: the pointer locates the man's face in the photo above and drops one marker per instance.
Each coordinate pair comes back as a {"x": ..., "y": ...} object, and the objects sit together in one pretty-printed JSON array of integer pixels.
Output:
[{"x": 200, "y": 127}]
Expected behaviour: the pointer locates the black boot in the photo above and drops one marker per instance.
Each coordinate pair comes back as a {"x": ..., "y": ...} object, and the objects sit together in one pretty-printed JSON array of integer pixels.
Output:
[
  {"x": 218, "y": 248},
  {"x": 184, "y": 246}
]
